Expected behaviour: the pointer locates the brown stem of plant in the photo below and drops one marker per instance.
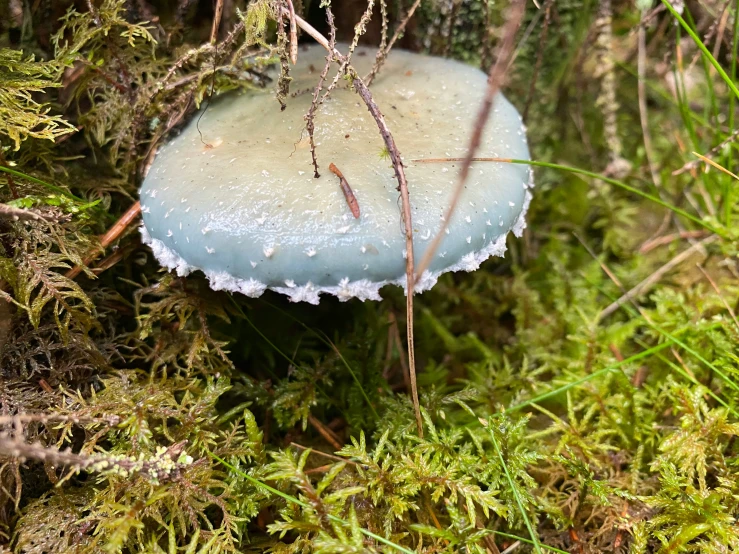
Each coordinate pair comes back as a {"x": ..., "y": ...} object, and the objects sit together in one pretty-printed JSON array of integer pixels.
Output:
[
  {"x": 495, "y": 80},
  {"x": 385, "y": 50},
  {"x": 293, "y": 33},
  {"x": 310, "y": 117},
  {"x": 387, "y": 137},
  {"x": 218, "y": 12},
  {"x": 328, "y": 435},
  {"x": 111, "y": 235}
]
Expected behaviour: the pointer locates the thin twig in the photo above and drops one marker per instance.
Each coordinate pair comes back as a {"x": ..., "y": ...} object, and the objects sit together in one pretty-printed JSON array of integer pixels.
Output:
[
  {"x": 387, "y": 137},
  {"x": 218, "y": 12},
  {"x": 650, "y": 281},
  {"x": 667, "y": 239},
  {"x": 385, "y": 50},
  {"x": 396, "y": 337},
  {"x": 324, "y": 454},
  {"x": 718, "y": 291},
  {"x": 604, "y": 267},
  {"x": 328, "y": 435},
  {"x": 293, "y": 33},
  {"x": 111, "y": 235},
  {"x": 19, "y": 419},
  {"x": 495, "y": 81},
  {"x": 347, "y": 190},
  {"x": 311, "y": 115},
  {"x": 22, "y": 214},
  {"x": 641, "y": 93}
]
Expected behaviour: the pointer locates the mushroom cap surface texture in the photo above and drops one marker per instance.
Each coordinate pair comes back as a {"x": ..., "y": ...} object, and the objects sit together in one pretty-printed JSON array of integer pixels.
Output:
[{"x": 242, "y": 204}]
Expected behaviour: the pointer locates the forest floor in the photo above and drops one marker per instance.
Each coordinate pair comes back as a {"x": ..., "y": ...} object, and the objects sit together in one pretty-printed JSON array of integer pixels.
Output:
[{"x": 579, "y": 395}]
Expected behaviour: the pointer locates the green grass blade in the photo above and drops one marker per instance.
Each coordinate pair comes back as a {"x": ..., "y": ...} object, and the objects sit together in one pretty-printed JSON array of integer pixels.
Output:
[
  {"x": 699, "y": 43},
  {"x": 49, "y": 186}
]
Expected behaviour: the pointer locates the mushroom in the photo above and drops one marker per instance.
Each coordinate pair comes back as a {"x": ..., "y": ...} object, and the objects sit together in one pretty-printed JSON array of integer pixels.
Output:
[{"x": 234, "y": 195}]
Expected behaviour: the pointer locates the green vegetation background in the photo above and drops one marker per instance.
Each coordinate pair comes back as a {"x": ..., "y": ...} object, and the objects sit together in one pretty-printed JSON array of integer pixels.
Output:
[{"x": 143, "y": 412}]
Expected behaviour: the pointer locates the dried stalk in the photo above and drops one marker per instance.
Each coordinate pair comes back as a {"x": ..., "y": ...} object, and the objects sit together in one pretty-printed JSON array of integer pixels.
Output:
[
  {"x": 351, "y": 200},
  {"x": 311, "y": 115},
  {"x": 384, "y": 51},
  {"x": 111, "y": 235},
  {"x": 650, "y": 281},
  {"x": 163, "y": 466},
  {"x": 495, "y": 81},
  {"x": 22, "y": 214},
  {"x": 387, "y": 137},
  {"x": 216, "y": 21}
]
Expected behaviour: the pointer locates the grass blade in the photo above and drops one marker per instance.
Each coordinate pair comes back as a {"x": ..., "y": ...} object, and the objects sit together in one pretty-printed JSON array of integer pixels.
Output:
[{"x": 702, "y": 47}]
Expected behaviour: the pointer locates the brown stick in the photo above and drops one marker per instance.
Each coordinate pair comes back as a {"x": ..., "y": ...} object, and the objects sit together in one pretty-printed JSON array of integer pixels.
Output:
[
  {"x": 293, "y": 33},
  {"x": 495, "y": 80},
  {"x": 328, "y": 435},
  {"x": 216, "y": 21},
  {"x": 310, "y": 117},
  {"x": 667, "y": 239},
  {"x": 111, "y": 235},
  {"x": 347, "y": 190},
  {"x": 387, "y": 136}
]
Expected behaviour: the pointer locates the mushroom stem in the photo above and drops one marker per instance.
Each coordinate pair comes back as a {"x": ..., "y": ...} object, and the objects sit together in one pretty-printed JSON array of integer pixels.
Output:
[{"x": 387, "y": 137}]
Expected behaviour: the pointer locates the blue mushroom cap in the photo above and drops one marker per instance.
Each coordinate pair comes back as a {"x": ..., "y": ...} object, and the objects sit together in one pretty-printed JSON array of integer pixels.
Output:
[{"x": 242, "y": 204}]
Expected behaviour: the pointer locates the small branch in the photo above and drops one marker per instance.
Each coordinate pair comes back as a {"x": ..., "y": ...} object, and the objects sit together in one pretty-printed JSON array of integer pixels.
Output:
[
  {"x": 19, "y": 419},
  {"x": 539, "y": 57},
  {"x": 385, "y": 50},
  {"x": 718, "y": 291},
  {"x": 311, "y": 115},
  {"x": 110, "y": 236},
  {"x": 667, "y": 239},
  {"x": 495, "y": 80},
  {"x": 216, "y": 21},
  {"x": 347, "y": 190},
  {"x": 162, "y": 466},
  {"x": 293, "y": 33},
  {"x": 387, "y": 137},
  {"x": 328, "y": 435},
  {"x": 712, "y": 152},
  {"x": 21, "y": 214}
]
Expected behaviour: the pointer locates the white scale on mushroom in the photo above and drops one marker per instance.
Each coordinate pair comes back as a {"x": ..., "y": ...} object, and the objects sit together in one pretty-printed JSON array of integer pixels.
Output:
[{"x": 245, "y": 209}]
